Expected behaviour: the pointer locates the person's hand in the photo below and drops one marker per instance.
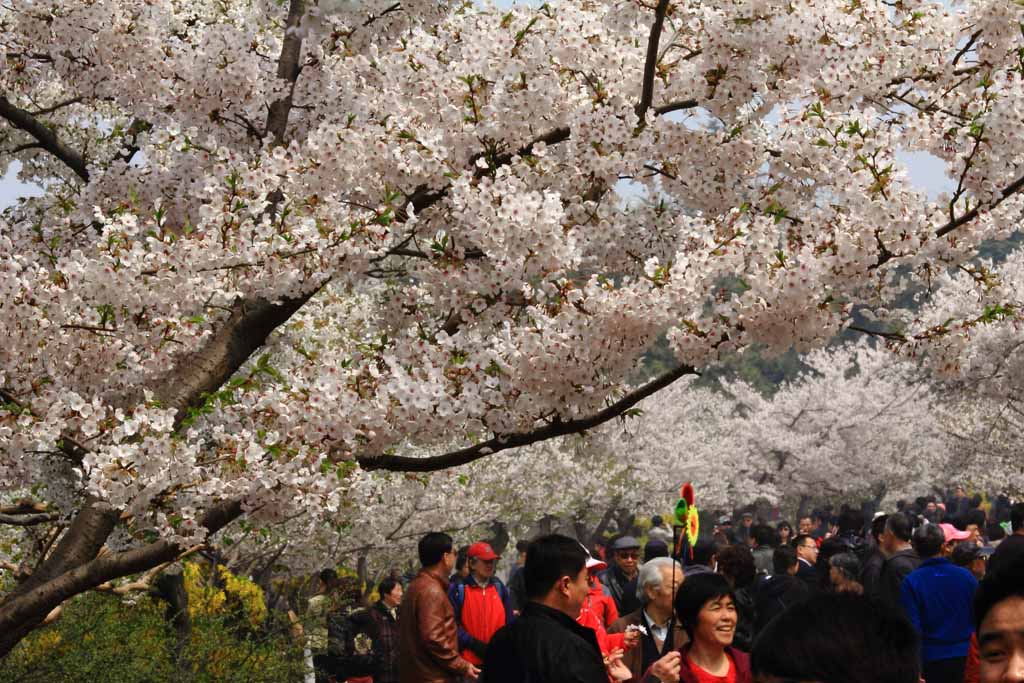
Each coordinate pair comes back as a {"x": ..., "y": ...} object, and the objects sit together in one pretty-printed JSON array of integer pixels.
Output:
[
  {"x": 478, "y": 647},
  {"x": 473, "y": 673},
  {"x": 667, "y": 668},
  {"x": 631, "y": 640},
  {"x": 616, "y": 669}
]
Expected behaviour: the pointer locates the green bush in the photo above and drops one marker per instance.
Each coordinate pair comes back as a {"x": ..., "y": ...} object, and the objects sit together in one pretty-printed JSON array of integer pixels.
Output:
[{"x": 103, "y": 639}]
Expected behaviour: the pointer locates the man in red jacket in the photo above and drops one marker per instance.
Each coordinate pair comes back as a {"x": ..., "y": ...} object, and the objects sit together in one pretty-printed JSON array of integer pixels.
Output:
[{"x": 482, "y": 603}]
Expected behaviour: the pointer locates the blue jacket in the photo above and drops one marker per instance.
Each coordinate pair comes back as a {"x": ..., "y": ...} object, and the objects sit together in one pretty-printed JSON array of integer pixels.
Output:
[{"x": 937, "y": 597}]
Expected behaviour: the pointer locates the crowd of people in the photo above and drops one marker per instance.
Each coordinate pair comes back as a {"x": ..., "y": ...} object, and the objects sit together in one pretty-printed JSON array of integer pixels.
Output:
[{"x": 931, "y": 591}]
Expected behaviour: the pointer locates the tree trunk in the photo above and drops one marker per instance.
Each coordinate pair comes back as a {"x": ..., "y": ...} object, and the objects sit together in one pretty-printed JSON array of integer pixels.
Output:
[
  {"x": 500, "y": 538},
  {"x": 802, "y": 510},
  {"x": 171, "y": 589}
]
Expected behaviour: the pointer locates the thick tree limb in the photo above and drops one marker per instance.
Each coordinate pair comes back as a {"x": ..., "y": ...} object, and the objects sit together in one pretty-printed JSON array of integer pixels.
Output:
[
  {"x": 651, "y": 65},
  {"x": 203, "y": 371},
  {"x": 24, "y": 611},
  {"x": 397, "y": 463},
  {"x": 44, "y": 135},
  {"x": 80, "y": 543}
]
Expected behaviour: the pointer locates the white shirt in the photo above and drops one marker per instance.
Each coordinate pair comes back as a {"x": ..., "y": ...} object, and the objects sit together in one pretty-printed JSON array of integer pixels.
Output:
[{"x": 660, "y": 633}]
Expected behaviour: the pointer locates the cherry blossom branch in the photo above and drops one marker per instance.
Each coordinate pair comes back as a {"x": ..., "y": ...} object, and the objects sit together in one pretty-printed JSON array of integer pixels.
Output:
[
  {"x": 1010, "y": 190},
  {"x": 423, "y": 198},
  {"x": 44, "y": 135},
  {"x": 651, "y": 65},
  {"x": 28, "y": 518},
  {"x": 1005, "y": 194},
  {"x": 146, "y": 581},
  {"x": 398, "y": 463}
]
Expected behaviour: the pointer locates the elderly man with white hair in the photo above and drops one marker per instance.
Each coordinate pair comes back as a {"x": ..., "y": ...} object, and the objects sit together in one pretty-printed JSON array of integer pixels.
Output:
[{"x": 657, "y": 583}]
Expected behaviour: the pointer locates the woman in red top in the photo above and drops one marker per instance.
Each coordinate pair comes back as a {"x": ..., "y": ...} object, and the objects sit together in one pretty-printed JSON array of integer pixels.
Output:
[{"x": 705, "y": 607}]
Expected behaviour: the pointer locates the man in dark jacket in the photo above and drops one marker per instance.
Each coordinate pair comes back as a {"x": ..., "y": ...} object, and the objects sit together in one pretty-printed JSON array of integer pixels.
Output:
[
  {"x": 1010, "y": 550},
  {"x": 871, "y": 570},
  {"x": 807, "y": 557},
  {"x": 775, "y": 593},
  {"x": 545, "y": 644},
  {"x": 619, "y": 580},
  {"x": 427, "y": 643},
  {"x": 901, "y": 558}
]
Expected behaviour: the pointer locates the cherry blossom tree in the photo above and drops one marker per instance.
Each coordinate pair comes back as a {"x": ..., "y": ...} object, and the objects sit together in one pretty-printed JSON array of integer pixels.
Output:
[
  {"x": 281, "y": 241},
  {"x": 968, "y": 332},
  {"x": 861, "y": 421}
]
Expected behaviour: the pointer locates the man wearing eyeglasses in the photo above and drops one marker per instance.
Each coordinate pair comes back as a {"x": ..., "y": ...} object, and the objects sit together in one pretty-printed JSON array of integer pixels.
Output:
[
  {"x": 482, "y": 603},
  {"x": 619, "y": 580},
  {"x": 807, "y": 557}
]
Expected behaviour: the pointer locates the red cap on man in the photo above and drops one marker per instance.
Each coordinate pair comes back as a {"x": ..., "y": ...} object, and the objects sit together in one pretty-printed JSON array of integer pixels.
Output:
[{"x": 482, "y": 551}]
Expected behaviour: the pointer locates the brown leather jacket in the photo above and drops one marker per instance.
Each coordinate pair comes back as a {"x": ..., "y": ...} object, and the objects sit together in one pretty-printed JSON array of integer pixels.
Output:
[
  {"x": 427, "y": 643},
  {"x": 633, "y": 658}
]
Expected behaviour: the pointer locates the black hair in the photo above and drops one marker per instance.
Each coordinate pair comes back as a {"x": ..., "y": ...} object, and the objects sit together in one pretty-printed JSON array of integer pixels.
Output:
[
  {"x": 975, "y": 501},
  {"x": 839, "y": 638},
  {"x": 763, "y": 535},
  {"x": 994, "y": 531},
  {"x": 655, "y": 548},
  {"x": 928, "y": 541},
  {"x": 432, "y": 548},
  {"x": 461, "y": 558},
  {"x": 899, "y": 526},
  {"x": 851, "y": 522},
  {"x": 695, "y": 592},
  {"x": 703, "y": 550},
  {"x": 965, "y": 553},
  {"x": 386, "y": 586},
  {"x": 878, "y": 526},
  {"x": 328, "y": 576},
  {"x": 548, "y": 560},
  {"x": 1017, "y": 517},
  {"x": 1006, "y": 582},
  {"x": 783, "y": 559},
  {"x": 656, "y": 520},
  {"x": 976, "y": 517},
  {"x": 787, "y": 525},
  {"x": 737, "y": 563},
  {"x": 522, "y": 546},
  {"x": 800, "y": 539}
]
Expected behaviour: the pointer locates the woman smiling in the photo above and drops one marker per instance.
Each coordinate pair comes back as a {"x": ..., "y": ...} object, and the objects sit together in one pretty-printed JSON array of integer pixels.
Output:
[{"x": 706, "y": 608}]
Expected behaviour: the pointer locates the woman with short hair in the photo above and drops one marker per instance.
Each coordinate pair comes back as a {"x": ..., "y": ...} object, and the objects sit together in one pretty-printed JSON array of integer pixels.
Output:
[{"x": 706, "y": 608}]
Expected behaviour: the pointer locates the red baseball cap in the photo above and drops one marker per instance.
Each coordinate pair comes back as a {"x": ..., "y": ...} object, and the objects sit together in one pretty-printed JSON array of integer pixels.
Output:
[{"x": 482, "y": 551}]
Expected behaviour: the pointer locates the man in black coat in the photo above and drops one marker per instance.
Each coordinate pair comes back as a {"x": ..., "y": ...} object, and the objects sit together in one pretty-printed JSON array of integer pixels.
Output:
[
  {"x": 619, "y": 580},
  {"x": 900, "y": 558},
  {"x": 773, "y": 594},
  {"x": 807, "y": 557},
  {"x": 545, "y": 644}
]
